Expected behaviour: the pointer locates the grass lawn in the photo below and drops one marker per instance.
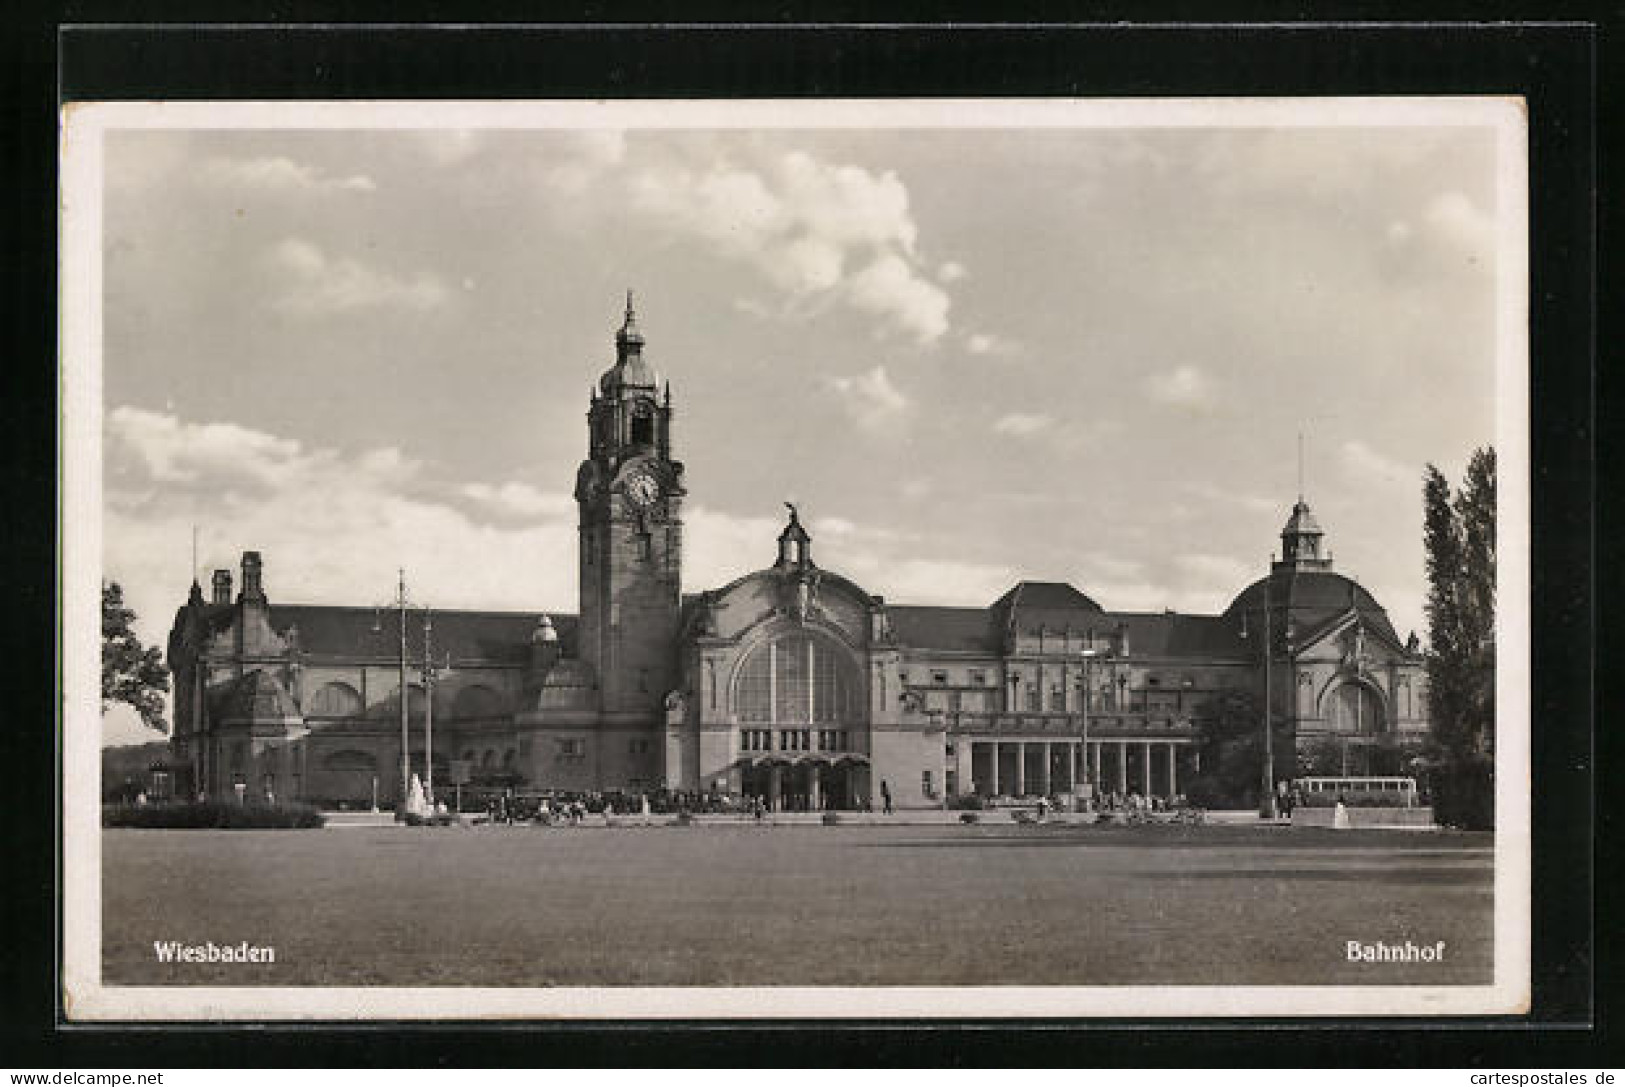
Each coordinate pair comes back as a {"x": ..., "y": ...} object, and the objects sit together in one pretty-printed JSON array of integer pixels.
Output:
[{"x": 748, "y": 905}]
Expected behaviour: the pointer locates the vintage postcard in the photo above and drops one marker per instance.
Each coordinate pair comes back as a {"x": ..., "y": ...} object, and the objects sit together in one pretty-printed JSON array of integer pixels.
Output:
[{"x": 753, "y": 559}]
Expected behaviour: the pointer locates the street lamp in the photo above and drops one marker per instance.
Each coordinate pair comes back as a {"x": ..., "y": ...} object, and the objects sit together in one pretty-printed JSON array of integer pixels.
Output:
[
  {"x": 1266, "y": 808},
  {"x": 1089, "y": 786},
  {"x": 430, "y": 678},
  {"x": 400, "y": 605}
]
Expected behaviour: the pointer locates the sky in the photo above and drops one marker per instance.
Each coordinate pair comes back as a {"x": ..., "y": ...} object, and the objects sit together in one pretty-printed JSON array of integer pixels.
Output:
[{"x": 971, "y": 356}]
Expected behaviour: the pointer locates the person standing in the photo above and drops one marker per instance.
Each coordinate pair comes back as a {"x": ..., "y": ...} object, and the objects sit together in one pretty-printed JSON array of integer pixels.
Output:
[{"x": 885, "y": 798}]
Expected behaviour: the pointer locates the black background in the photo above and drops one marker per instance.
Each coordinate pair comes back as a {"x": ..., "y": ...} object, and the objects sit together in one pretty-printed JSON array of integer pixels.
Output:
[{"x": 74, "y": 53}]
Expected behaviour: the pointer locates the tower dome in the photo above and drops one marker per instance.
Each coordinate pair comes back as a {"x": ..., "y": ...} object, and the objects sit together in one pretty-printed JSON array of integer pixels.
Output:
[{"x": 631, "y": 370}]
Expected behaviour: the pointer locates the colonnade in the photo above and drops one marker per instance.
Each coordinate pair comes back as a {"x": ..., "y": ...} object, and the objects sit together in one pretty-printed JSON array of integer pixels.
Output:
[{"x": 1061, "y": 768}]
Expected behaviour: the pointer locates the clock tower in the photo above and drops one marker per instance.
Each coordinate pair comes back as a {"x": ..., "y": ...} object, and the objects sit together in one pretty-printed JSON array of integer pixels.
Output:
[{"x": 629, "y": 491}]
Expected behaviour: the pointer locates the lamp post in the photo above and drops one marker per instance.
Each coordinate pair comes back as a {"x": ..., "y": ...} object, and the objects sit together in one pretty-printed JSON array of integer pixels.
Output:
[
  {"x": 1267, "y": 804},
  {"x": 400, "y": 605},
  {"x": 430, "y": 678},
  {"x": 1088, "y": 657},
  {"x": 1266, "y": 801}
]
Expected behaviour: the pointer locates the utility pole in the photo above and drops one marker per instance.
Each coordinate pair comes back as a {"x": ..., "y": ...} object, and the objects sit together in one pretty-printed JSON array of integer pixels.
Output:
[{"x": 399, "y": 606}]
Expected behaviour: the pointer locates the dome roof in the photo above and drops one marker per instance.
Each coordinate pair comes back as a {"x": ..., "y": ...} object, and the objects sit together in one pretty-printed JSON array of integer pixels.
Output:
[
  {"x": 1311, "y": 597},
  {"x": 567, "y": 685}
]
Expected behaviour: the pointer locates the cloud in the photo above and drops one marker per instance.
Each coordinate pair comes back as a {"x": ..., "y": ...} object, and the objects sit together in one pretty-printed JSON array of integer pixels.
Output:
[
  {"x": 579, "y": 160},
  {"x": 515, "y": 499},
  {"x": 1365, "y": 464},
  {"x": 871, "y": 399},
  {"x": 951, "y": 271},
  {"x": 278, "y": 173},
  {"x": 985, "y": 343},
  {"x": 1185, "y": 387},
  {"x": 1223, "y": 496},
  {"x": 451, "y": 146},
  {"x": 332, "y": 525},
  {"x": 1022, "y": 425},
  {"x": 815, "y": 230},
  {"x": 1220, "y": 573},
  {"x": 312, "y": 284}
]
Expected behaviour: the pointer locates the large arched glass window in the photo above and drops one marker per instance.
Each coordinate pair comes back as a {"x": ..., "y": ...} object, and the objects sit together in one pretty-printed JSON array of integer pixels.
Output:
[
  {"x": 1356, "y": 709},
  {"x": 796, "y": 679}
]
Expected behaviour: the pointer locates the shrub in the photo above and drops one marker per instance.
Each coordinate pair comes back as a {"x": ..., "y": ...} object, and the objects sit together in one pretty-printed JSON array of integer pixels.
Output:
[
  {"x": 966, "y": 802},
  {"x": 970, "y": 817},
  {"x": 213, "y": 815},
  {"x": 831, "y": 818}
]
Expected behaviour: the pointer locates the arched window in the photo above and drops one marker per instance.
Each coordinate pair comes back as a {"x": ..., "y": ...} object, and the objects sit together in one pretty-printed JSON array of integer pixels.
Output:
[
  {"x": 1354, "y": 708},
  {"x": 796, "y": 679},
  {"x": 335, "y": 700}
]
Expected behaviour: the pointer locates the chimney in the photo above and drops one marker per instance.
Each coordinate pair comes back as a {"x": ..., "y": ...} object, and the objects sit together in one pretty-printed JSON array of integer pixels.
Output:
[
  {"x": 252, "y": 589},
  {"x": 222, "y": 587},
  {"x": 1122, "y": 639}
]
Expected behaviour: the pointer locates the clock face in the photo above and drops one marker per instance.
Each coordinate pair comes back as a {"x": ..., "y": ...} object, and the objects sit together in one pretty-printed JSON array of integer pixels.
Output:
[{"x": 642, "y": 488}]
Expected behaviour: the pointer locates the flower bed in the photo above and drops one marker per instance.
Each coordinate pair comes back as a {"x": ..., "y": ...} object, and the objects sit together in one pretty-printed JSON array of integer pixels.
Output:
[{"x": 212, "y": 815}]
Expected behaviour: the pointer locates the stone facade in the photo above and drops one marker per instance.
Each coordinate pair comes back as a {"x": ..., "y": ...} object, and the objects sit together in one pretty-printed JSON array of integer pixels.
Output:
[{"x": 791, "y": 683}]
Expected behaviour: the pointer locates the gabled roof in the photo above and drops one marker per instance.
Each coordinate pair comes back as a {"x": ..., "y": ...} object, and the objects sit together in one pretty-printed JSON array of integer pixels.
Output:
[
  {"x": 499, "y": 637},
  {"x": 969, "y": 630},
  {"x": 1041, "y": 596}
]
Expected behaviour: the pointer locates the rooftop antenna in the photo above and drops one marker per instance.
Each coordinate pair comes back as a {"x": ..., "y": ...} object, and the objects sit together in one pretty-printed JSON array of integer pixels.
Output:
[{"x": 194, "y": 553}]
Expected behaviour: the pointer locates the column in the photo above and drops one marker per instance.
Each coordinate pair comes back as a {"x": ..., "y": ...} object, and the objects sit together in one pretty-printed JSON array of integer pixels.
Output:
[
  {"x": 1021, "y": 768},
  {"x": 1173, "y": 770},
  {"x": 814, "y": 800},
  {"x": 995, "y": 783},
  {"x": 1122, "y": 766},
  {"x": 1147, "y": 767},
  {"x": 1095, "y": 777},
  {"x": 1071, "y": 768},
  {"x": 773, "y": 778},
  {"x": 964, "y": 766},
  {"x": 1046, "y": 779}
]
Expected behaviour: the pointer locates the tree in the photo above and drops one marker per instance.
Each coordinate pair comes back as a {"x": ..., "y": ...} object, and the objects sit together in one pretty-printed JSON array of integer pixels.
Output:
[
  {"x": 131, "y": 673},
  {"x": 1230, "y": 742},
  {"x": 1459, "y": 534}
]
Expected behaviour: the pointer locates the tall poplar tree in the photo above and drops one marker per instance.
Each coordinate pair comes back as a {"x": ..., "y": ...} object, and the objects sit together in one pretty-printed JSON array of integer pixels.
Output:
[{"x": 1459, "y": 534}]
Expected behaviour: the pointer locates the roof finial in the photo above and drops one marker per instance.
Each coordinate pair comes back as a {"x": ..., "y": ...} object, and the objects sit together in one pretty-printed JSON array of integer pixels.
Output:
[{"x": 629, "y": 303}]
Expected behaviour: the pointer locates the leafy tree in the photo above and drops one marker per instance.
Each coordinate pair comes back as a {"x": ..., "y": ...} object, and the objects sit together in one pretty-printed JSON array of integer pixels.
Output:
[
  {"x": 1230, "y": 740},
  {"x": 131, "y": 673},
  {"x": 1459, "y": 534}
]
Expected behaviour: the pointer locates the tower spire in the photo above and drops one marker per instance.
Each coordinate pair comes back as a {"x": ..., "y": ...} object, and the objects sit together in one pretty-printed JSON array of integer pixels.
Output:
[{"x": 1300, "y": 465}]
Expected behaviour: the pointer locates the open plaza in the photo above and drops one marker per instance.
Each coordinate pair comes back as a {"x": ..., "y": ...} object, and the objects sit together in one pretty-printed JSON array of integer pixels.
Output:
[{"x": 798, "y": 904}]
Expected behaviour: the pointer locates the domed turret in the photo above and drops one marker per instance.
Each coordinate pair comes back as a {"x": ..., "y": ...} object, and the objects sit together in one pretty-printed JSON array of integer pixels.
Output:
[
  {"x": 1301, "y": 540},
  {"x": 630, "y": 371}
]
